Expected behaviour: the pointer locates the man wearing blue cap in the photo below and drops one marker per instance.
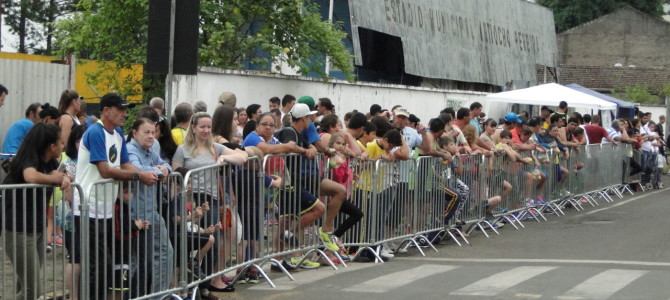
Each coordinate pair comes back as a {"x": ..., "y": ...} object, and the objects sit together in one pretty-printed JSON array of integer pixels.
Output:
[{"x": 514, "y": 124}]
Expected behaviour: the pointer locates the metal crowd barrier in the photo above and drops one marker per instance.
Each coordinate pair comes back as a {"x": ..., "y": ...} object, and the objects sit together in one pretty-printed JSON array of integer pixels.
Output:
[
  {"x": 290, "y": 236},
  {"x": 127, "y": 246},
  {"x": 364, "y": 186},
  {"x": 149, "y": 242},
  {"x": 30, "y": 267}
]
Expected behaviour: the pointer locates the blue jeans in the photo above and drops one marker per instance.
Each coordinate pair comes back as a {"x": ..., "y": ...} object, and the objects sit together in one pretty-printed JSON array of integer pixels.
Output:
[
  {"x": 648, "y": 163},
  {"x": 163, "y": 255},
  {"x": 155, "y": 260}
]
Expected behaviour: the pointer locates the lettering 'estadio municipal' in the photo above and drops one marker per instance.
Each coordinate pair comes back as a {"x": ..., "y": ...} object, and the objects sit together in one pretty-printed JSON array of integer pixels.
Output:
[{"x": 490, "y": 41}]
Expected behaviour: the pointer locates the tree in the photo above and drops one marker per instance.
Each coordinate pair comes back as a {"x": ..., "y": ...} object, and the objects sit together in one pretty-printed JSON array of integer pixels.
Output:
[
  {"x": 33, "y": 22},
  {"x": 242, "y": 31},
  {"x": 232, "y": 34},
  {"x": 18, "y": 15},
  {"x": 638, "y": 94},
  {"x": 570, "y": 13}
]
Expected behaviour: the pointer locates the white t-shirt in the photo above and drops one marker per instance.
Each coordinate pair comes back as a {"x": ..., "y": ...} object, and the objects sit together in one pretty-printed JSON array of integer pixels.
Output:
[
  {"x": 98, "y": 145},
  {"x": 646, "y": 145}
]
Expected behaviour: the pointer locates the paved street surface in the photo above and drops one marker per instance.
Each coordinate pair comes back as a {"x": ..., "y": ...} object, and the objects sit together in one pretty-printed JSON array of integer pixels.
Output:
[{"x": 617, "y": 251}]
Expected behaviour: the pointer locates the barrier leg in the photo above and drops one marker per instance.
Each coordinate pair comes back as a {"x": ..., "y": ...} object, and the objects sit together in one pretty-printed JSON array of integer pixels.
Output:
[
  {"x": 264, "y": 275},
  {"x": 378, "y": 259},
  {"x": 516, "y": 218},
  {"x": 323, "y": 254},
  {"x": 453, "y": 238},
  {"x": 491, "y": 226},
  {"x": 510, "y": 221},
  {"x": 281, "y": 267},
  {"x": 461, "y": 234},
  {"x": 481, "y": 228},
  {"x": 430, "y": 244}
]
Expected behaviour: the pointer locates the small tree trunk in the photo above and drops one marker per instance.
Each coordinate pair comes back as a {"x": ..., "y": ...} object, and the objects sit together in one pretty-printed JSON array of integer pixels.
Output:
[{"x": 22, "y": 27}]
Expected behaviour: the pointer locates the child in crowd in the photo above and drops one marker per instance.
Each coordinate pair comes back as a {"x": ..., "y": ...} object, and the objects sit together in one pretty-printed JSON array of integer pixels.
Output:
[
  {"x": 342, "y": 173},
  {"x": 448, "y": 144},
  {"x": 125, "y": 233}
]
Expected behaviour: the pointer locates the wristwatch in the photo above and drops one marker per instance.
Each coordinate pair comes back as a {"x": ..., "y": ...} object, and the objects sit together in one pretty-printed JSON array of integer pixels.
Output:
[{"x": 136, "y": 176}]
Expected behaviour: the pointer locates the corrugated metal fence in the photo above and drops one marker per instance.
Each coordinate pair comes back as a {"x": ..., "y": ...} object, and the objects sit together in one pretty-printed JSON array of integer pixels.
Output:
[{"x": 29, "y": 82}]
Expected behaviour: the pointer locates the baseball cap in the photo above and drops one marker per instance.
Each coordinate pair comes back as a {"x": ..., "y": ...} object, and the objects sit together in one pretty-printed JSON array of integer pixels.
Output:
[
  {"x": 301, "y": 110},
  {"x": 309, "y": 101},
  {"x": 401, "y": 112},
  {"x": 414, "y": 119},
  {"x": 114, "y": 100},
  {"x": 513, "y": 118}
]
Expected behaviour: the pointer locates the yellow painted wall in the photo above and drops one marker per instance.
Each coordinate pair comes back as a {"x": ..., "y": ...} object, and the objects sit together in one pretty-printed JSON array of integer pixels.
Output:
[
  {"x": 28, "y": 57},
  {"x": 108, "y": 70},
  {"x": 92, "y": 93}
]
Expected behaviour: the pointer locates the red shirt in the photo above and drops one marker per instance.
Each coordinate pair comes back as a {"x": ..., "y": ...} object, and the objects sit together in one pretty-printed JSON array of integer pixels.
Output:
[
  {"x": 595, "y": 133},
  {"x": 516, "y": 138}
]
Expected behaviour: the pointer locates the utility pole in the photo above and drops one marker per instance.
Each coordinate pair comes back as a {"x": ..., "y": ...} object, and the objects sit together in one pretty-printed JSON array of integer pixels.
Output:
[
  {"x": 330, "y": 20},
  {"x": 2, "y": 13},
  {"x": 169, "y": 79}
]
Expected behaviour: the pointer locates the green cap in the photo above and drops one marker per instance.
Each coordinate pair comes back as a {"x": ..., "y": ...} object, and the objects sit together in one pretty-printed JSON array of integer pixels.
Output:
[{"x": 307, "y": 100}]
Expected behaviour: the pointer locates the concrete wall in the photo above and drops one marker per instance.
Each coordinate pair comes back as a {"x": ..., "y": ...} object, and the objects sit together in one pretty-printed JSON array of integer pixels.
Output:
[
  {"x": 28, "y": 82},
  {"x": 627, "y": 36},
  {"x": 656, "y": 111},
  {"x": 252, "y": 88}
]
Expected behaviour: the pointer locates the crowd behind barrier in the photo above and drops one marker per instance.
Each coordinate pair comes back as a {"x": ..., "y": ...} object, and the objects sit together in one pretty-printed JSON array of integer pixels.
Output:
[
  {"x": 190, "y": 207},
  {"x": 225, "y": 219}
]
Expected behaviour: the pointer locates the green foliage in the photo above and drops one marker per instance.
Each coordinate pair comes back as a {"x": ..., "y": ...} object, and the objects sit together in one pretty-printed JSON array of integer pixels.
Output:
[
  {"x": 33, "y": 22},
  {"x": 638, "y": 94},
  {"x": 114, "y": 30},
  {"x": 665, "y": 90},
  {"x": 130, "y": 118},
  {"x": 232, "y": 33},
  {"x": 570, "y": 13},
  {"x": 259, "y": 31}
]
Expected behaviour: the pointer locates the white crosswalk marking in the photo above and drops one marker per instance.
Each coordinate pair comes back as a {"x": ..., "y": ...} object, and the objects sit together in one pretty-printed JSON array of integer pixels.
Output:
[
  {"x": 394, "y": 280},
  {"x": 603, "y": 285},
  {"x": 497, "y": 283},
  {"x": 306, "y": 277}
]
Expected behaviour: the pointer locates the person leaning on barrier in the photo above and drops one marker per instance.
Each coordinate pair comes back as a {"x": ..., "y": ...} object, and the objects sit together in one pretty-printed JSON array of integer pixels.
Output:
[
  {"x": 436, "y": 129},
  {"x": 103, "y": 155},
  {"x": 345, "y": 148},
  {"x": 369, "y": 134},
  {"x": 36, "y": 162},
  {"x": 199, "y": 150},
  {"x": 535, "y": 177},
  {"x": 263, "y": 139},
  {"x": 304, "y": 133},
  {"x": 303, "y": 174},
  {"x": 342, "y": 173},
  {"x": 156, "y": 254}
]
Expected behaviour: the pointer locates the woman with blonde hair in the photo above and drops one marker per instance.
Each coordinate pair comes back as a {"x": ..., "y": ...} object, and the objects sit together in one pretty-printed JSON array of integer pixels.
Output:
[{"x": 198, "y": 151}]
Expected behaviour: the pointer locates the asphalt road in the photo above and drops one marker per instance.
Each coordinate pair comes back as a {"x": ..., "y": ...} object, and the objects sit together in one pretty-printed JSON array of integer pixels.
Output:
[{"x": 614, "y": 251}]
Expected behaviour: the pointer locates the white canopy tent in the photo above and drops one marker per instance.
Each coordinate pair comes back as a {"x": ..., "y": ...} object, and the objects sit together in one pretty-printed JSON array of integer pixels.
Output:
[{"x": 551, "y": 94}]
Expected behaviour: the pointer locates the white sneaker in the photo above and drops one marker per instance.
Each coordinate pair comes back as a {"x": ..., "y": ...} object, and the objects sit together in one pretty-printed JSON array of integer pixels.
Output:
[{"x": 386, "y": 253}]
